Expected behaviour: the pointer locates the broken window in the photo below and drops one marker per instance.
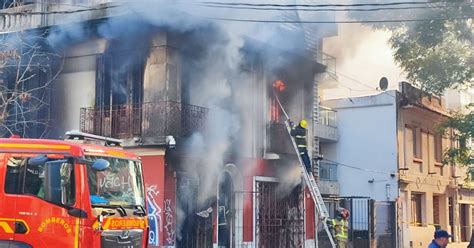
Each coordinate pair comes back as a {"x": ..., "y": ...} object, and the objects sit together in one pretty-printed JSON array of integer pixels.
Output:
[
  {"x": 119, "y": 91},
  {"x": 119, "y": 80}
]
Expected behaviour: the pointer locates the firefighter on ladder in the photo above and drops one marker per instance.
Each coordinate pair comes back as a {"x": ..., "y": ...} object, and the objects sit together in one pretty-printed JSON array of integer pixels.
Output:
[
  {"x": 299, "y": 133},
  {"x": 339, "y": 227}
]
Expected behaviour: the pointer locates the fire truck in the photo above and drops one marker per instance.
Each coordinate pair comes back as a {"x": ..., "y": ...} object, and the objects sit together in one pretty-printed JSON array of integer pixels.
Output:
[{"x": 81, "y": 192}]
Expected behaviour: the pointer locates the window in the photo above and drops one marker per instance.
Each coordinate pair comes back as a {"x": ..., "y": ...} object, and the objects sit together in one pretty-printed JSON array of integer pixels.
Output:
[
  {"x": 12, "y": 181},
  {"x": 471, "y": 174},
  {"x": 451, "y": 216},
  {"x": 436, "y": 212},
  {"x": 416, "y": 209},
  {"x": 414, "y": 140},
  {"x": 328, "y": 171},
  {"x": 464, "y": 221},
  {"x": 416, "y": 143},
  {"x": 51, "y": 180},
  {"x": 438, "y": 148}
]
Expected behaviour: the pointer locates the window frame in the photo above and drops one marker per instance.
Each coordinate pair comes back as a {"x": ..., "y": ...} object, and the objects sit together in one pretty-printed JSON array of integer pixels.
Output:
[
  {"x": 21, "y": 183},
  {"x": 417, "y": 140},
  {"x": 438, "y": 148},
  {"x": 417, "y": 213}
]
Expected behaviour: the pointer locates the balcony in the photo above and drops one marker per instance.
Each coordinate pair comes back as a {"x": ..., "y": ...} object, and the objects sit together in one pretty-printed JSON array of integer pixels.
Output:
[
  {"x": 326, "y": 129},
  {"x": 19, "y": 18},
  {"x": 149, "y": 122},
  {"x": 328, "y": 183}
]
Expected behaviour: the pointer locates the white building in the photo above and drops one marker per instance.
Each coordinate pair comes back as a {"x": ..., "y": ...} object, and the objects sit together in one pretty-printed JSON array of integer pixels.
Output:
[{"x": 389, "y": 150}]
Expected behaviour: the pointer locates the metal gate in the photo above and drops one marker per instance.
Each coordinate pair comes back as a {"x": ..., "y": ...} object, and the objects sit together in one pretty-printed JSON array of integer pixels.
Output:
[
  {"x": 384, "y": 227},
  {"x": 279, "y": 219},
  {"x": 360, "y": 208},
  {"x": 195, "y": 231},
  {"x": 372, "y": 224},
  {"x": 359, "y": 222}
]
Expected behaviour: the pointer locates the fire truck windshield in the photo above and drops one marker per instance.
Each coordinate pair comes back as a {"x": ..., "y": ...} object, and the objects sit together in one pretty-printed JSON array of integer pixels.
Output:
[{"x": 119, "y": 185}]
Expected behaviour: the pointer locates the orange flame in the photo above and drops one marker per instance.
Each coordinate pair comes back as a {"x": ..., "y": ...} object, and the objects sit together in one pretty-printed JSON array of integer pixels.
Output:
[{"x": 279, "y": 85}]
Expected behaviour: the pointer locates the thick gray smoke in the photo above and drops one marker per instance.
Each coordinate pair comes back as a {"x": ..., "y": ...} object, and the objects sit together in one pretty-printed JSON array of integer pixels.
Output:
[{"x": 214, "y": 57}]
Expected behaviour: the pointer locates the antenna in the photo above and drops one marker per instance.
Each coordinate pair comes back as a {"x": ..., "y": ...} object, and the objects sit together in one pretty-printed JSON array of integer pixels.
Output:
[{"x": 383, "y": 84}]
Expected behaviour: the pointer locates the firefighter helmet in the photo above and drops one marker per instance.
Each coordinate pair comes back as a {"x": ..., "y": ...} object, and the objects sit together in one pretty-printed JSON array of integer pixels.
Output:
[
  {"x": 304, "y": 123},
  {"x": 343, "y": 213}
]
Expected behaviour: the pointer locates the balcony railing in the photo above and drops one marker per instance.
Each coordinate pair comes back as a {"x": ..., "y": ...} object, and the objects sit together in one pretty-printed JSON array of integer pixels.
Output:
[
  {"x": 144, "y": 120},
  {"x": 327, "y": 117},
  {"x": 328, "y": 171}
]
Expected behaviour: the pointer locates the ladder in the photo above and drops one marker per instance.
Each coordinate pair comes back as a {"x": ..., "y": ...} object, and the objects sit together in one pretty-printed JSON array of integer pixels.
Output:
[{"x": 310, "y": 181}]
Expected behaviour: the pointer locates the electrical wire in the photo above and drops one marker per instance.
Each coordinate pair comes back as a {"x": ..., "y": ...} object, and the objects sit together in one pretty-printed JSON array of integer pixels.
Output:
[
  {"x": 331, "y": 10},
  {"x": 360, "y": 168},
  {"x": 322, "y": 5},
  {"x": 261, "y": 20},
  {"x": 344, "y": 22}
]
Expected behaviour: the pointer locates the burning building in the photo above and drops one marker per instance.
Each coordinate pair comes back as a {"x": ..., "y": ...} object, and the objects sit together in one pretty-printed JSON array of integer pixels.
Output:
[{"x": 196, "y": 99}]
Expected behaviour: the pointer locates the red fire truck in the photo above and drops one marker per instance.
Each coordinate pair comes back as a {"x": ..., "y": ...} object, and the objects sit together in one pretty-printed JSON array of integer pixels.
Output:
[{"x": 71, "y": 194}]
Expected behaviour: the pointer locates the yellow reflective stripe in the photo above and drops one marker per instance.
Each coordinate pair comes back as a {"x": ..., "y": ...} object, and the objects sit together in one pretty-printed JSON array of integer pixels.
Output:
[
  {"x": 342, "y": 231},
  {"x": 300, "y": 137},
  {"x": 76, "y": 234},
  {"x": 6, "y": 228},
  {"x": 36, "y": 146}
]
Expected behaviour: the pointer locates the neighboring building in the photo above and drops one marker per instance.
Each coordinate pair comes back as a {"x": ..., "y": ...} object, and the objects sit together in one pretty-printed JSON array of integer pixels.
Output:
[
  {"x": 458, "y": 99},
  {"x": 389, "y": 150},
  {"x": 217, "y": 174}
]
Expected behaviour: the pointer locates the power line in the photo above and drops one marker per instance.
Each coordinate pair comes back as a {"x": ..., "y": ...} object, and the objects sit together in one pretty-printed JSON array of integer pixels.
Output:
[
  {"x": 322, "y": 5},
  {"x": 329, "y": 10},
  {"x": 358, "y": 168},
  {"x": 356, "y": 81},
  {"x": 333, "y": 22}
]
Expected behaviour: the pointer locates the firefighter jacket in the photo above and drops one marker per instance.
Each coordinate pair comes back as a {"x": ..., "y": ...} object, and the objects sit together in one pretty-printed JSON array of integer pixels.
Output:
[
  {"x": 340, "y": 227},
  {"x": 300, "y": 138}
]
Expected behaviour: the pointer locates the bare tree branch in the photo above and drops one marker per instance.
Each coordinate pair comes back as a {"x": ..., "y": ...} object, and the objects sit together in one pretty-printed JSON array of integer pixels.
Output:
[{"x": 27, "y": 70}]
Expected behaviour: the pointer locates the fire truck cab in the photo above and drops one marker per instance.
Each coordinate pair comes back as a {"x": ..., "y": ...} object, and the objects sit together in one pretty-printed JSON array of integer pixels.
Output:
[{"x": 70, "y": 194}]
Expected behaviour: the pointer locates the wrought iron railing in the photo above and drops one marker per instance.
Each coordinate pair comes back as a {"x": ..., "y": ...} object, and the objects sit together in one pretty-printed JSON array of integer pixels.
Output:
[{"x": 144, "y": 120}]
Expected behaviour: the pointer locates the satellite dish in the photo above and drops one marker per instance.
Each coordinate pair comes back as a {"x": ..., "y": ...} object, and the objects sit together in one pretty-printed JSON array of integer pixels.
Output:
[{"x": 383, "y": 83}]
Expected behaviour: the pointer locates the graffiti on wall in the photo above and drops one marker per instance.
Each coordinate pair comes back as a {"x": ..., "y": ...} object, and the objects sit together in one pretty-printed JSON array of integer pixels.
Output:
[
  {"x": 154, "y": 215},
  {"x": 169, "y": 227}
]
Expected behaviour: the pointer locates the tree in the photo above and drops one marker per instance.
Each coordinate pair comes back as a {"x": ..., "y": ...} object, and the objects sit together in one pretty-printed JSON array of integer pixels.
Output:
[
  {"x": 437, "y": 55},
  {"x": 27, "y": 69}
]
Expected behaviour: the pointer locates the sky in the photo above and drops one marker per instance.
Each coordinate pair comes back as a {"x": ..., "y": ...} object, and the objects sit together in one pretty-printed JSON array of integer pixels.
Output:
[{"x": 363, "y": 56}]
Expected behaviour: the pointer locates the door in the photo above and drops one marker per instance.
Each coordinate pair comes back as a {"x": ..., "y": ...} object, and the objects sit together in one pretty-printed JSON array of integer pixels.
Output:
[{"x": 48, "y": 191}]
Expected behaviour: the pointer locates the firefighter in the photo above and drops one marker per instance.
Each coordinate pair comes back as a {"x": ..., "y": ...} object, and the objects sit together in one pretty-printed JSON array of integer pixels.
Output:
[
  {"x": 339, "y": 227},
  {"x": 299, "y": 132}
]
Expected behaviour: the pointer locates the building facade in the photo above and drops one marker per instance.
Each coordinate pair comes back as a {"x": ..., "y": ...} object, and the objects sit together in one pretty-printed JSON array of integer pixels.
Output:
[
  {"x": 401, "y": 162},
  {"x": 219, "y": 167}
]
